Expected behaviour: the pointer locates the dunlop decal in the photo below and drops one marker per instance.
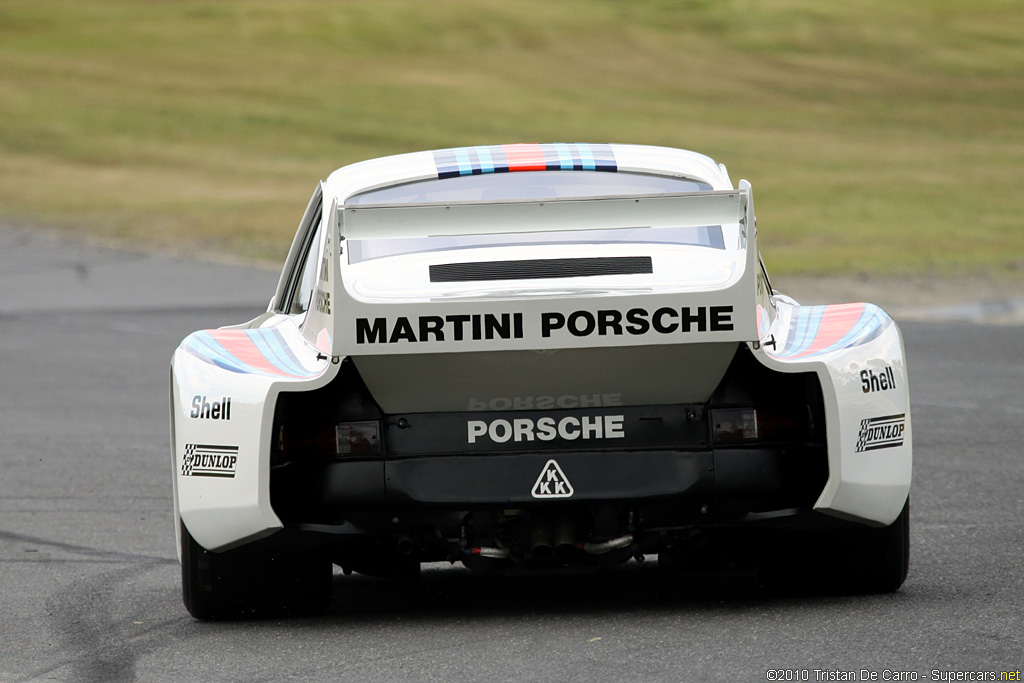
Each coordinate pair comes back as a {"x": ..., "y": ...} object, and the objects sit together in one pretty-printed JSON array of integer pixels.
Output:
[
  {"x": 881, "y": 432},
  {"x": 202, "y": 460}
]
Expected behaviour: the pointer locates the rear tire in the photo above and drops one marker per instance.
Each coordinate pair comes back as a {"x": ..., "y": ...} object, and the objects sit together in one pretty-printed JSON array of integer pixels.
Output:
[
  {"x": 864, "y": 560},
  {"x": 884, "y": 556},
  {"x": 246, "y": 583}
]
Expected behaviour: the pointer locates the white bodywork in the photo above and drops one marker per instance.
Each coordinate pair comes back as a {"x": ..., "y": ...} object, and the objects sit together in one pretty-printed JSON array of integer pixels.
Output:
[{"x": 412, "y": 366}]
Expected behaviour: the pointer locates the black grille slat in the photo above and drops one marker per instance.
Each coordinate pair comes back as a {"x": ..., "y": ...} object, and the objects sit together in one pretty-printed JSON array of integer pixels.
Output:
[{"x": 541, "y": 268}]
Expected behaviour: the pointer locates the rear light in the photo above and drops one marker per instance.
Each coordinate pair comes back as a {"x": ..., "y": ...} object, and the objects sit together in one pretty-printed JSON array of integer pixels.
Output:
[
  {"x": 733, "y": 425},
  {"x": 739, "y": 425},
  {"x": 358, "y": 438}
]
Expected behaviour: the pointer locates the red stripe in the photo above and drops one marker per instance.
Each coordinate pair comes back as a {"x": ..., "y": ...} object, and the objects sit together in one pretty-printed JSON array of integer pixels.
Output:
[
  {"x": 242, "y": 347},
  {"x": 525, "y": 157},
  {"x": 837, "y": 321}
]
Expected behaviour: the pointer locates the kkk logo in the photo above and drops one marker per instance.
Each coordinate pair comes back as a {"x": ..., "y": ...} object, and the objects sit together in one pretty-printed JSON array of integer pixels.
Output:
[{"x": 552, "y": 483}]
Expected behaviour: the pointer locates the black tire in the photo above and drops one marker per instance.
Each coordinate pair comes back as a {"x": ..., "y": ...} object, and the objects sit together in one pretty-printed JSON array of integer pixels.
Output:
[
  {"x": 247, "y": 583},
  {"x": 864, "y": 560},
  {"x": 884, "y": 556}
]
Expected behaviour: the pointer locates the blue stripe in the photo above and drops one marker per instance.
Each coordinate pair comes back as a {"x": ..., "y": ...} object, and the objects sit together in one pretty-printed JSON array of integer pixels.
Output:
[
  {"x": 807, "y": 324},
  {"x": 564, "y": 156},
  {"x": 266, "y": 347},
  {"x": 217, "y": 354},
  {"x": 226, "y": 366},
  {"x": 463, "y": 161},
  {"x": 206, "y": 348},
  {"x": 285, "y": 350},
  {"x": 192, "y": 351},
  {"x": 486, "y": 160},
  {"x": 270, "y": 343},
  {"x": 290, "y": 363},
  {"x": 870, "y": 324},
  {"x": 604, "y": 157},
  {"x": 579, "y": 156},
  {"x": 586, "y": 156},
  {"x": 816, "y": 318},
  {"x": 446, "y": 165},
  {"x": 797, "y": 331},
  {"x": 211, "y": 347}
]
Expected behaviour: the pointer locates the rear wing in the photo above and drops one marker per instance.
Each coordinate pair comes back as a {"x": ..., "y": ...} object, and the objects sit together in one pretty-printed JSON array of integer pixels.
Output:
[
  {"x": 383, "y": 221},
  {"x": 352, "y": 325}
]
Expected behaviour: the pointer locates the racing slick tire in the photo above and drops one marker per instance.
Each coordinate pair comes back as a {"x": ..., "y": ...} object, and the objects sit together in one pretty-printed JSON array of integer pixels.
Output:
[
  {"x": 868, "y": 560},
  {"x": 246, "y": 583}
]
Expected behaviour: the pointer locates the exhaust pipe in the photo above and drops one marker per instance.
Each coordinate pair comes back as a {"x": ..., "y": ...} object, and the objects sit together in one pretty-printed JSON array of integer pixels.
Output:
[
  {"x": 404, "y": 545},
  {"x": 540, "y": 542},
  {"x": 565, "y": 543},
  {"x": 608, "y": 546}
]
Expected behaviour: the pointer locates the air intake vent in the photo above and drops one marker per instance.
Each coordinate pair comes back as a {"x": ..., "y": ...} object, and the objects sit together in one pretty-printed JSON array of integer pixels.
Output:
[{"x": 541, "y": 268}]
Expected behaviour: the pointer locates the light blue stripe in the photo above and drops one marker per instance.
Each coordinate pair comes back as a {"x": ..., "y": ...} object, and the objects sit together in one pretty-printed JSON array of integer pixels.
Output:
[
  {"x": 195, "y": 352},
  {"x": 266, "y": 347},
  {"x": 269, "y": 354},
  {"x": 281, "y": 344},
  {"x": 486, "y": 160},
  {"x": 564, "y": 155},
  {"x": 808, "y": 324},
  {"x": 277, "y": 343},
  {"x": 870, "y": 321},
  {"x": 464, "y": 162},
  {"x": 816, "y": 318},
  {"x": 797, "y": 332},
  {"x": 209, "y": 349},
  {"x": 587, "y": 156},
  {"x": 192, "y": 351},
  {"x": 209, "y": 346}
]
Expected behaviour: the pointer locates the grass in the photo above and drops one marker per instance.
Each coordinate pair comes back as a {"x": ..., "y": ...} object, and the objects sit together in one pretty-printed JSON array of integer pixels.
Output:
[{"x": 879, "y": 136}]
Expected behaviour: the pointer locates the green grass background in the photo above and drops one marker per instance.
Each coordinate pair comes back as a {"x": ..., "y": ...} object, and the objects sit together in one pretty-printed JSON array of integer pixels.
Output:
[{"x": 879, "y": 135}]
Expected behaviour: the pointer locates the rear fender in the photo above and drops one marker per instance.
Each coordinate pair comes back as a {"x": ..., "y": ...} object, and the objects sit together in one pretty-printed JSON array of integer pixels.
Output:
[
  {"x": 224, "y": 387},
  {"x": 857, "y": 352}
]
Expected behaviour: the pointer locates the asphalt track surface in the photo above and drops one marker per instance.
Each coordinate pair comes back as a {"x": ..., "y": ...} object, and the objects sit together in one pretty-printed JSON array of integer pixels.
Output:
[{"x": 89, "y": 581}]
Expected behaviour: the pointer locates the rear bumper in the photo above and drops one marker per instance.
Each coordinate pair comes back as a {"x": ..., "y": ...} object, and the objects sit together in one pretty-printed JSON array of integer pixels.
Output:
[
  {"x": 673, "y": 487},
  {"x": 512, "y": 479}
]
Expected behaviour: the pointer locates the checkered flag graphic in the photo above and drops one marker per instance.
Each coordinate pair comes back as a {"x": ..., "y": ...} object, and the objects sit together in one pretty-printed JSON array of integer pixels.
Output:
[
  {"x": 186, "y": 461},
  {"x": 862, "y": 438}
]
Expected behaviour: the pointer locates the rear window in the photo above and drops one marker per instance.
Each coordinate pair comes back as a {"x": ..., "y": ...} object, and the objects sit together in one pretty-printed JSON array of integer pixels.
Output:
[
  {"x": 703, "y": 236},
  {"x": 531, "y": 185}
]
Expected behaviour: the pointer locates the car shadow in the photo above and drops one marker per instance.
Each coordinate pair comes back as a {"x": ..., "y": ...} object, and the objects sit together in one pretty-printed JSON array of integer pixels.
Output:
[{"x": 442, "y": 591}]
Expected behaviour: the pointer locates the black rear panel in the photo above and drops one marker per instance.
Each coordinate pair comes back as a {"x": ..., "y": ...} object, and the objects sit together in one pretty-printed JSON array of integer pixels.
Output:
[
  {"x": 528, "y": 479},
  {"x": 667, "y": 463},
  {"x": 682, "y": 427}
]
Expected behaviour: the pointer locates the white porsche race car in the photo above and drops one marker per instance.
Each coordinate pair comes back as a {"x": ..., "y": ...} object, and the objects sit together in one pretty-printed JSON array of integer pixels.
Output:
[{"x": 535, "y": 356}]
